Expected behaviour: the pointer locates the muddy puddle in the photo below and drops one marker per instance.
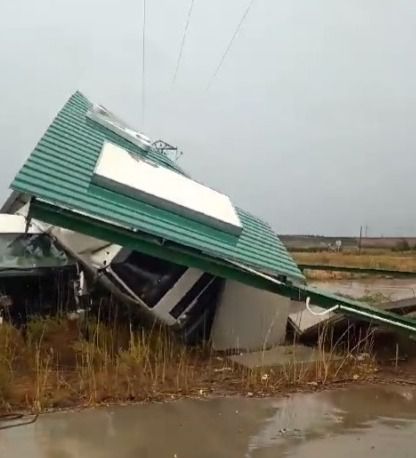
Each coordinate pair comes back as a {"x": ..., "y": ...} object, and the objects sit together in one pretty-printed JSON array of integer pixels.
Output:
[
  {"x": 362, "y": 422},
  {"x": 392, "y": 288}
]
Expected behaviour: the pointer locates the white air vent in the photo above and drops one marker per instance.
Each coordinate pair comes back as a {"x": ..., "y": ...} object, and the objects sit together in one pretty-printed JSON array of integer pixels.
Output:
[
  {"x": 102, "y": 116},
  {"x": 120, "y": 171}
]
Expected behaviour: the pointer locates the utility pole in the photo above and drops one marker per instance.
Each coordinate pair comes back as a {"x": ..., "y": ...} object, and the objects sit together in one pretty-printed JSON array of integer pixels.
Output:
[{"x": 360, "y": 239}]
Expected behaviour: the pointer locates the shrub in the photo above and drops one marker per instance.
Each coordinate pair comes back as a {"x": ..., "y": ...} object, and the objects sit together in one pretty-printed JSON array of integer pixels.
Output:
[{"x": 402, "y": 245}]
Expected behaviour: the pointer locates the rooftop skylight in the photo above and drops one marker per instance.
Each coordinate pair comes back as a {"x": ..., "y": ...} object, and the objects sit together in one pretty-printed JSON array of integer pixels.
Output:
[{"x": 106, "y": 118}]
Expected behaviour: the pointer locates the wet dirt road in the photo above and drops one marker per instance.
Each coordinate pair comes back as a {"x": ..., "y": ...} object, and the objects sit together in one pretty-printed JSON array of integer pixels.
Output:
[{"x": 360, "y": 422}]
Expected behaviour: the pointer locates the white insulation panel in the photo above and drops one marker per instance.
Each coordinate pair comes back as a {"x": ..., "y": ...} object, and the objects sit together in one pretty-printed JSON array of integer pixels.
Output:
[{"x": 120, "y": 171}]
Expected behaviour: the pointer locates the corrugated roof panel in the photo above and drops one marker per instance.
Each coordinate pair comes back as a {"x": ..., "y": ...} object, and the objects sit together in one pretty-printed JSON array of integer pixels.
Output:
[{"x": 60, "y": 170}]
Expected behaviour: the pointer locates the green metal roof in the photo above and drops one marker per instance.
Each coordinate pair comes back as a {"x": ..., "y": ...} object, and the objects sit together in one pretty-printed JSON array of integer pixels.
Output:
[{"x": 60, "y": 169}]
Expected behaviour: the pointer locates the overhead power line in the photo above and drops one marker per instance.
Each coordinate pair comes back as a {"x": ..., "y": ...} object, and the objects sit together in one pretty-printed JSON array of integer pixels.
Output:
[
  {"x": 185, "y": 32},
  {"x": 143, "y": 63},
  {"x": 230, "y": 44}
]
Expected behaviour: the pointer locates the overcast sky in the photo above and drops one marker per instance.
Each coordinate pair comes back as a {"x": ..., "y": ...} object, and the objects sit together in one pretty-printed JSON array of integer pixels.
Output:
[{"x": 310, "y": 122}]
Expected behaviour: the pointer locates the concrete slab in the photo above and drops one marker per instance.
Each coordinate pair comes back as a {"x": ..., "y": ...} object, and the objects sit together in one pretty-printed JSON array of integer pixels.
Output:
[{"x": 283, "y": 355}]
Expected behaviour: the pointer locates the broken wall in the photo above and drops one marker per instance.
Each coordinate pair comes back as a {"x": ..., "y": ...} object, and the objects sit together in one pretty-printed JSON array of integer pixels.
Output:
[{"x": 249, "y": 319}]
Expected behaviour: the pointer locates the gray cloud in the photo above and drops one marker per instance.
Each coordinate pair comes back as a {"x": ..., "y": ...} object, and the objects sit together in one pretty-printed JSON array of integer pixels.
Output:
[{"x": 309, "y": 123}]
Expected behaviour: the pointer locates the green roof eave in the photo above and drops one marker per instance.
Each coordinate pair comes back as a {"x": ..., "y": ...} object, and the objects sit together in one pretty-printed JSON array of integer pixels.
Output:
[
  {"x": 147, "y": 244},
  {"x": 348, "y": 307}
]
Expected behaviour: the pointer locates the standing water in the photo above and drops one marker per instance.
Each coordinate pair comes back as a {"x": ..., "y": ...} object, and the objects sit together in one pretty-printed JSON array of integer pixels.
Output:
[
  {"x": 362, "y": 422},
  {"x": 392, "y": 288}
]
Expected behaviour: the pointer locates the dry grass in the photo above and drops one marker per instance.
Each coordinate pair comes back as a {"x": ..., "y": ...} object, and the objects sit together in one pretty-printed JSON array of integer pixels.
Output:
[
  {"x": 371, "y": 259},
  {"x": 329, "y": 275},
  {"x": 59, "y": 363}
]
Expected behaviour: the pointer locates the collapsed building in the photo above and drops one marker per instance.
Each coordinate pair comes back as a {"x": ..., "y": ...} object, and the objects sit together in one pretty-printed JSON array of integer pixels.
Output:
[{"x": 178, "y": 251}]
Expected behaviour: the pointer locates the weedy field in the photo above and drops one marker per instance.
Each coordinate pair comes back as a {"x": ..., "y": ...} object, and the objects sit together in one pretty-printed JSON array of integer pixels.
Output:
[
  {"x": 372, "y": 259},
  {"x": 55, "y": 363}
]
